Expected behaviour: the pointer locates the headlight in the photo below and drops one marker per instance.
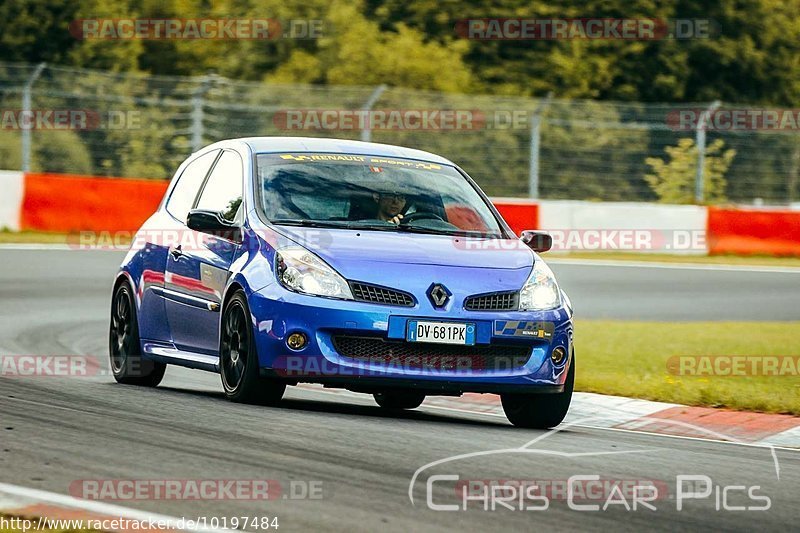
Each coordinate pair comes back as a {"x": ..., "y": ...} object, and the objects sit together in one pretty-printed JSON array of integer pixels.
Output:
[
  {"x": 541, "y": 291},
  {"x": 299, "y": 270}
]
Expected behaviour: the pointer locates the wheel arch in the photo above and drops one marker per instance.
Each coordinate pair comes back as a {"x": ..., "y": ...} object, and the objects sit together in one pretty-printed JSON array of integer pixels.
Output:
[
  {"x": 123, "y": 276},
  {"x": 232, "y": 288}
]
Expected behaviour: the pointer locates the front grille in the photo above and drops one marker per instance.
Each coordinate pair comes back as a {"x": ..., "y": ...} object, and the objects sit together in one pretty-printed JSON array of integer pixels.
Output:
[
  {"x": 364, "y": 292},
  {"x": 498, "y": 301},
  {"x": 420, "y": 355}
]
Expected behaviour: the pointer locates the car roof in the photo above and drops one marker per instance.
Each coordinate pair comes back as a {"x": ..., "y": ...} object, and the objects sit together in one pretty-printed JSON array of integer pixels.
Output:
[{"x": 264, "y": 145}]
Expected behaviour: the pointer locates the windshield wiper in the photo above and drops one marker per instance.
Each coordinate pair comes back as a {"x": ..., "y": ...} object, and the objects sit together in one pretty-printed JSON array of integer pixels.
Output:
[
  {"x": 402, "y": 228},
  {"x": 342, "y": 224},
  {"x": 426, "y": 231},
  {"x": 309, "y": 223},
  {"x": 336, "y": 224}
]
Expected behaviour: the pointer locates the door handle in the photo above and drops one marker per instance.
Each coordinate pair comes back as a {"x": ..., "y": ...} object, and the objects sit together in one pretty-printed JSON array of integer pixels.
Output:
[{"x": 176, "y": 252}]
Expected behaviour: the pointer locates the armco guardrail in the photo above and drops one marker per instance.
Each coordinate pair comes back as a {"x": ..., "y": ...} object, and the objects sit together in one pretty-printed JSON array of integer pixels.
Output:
[{"x": 69, "y": 203}]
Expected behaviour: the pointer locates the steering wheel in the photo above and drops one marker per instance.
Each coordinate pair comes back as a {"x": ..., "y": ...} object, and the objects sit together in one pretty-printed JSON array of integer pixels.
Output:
[{"x": 420, "y": 215}]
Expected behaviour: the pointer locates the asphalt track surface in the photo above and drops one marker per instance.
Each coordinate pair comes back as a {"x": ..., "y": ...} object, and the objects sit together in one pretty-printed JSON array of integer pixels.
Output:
[{"x": 54, "y": 431}]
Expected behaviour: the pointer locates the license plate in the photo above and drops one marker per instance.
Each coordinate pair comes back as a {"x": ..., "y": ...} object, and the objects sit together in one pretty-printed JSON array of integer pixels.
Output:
[{"x": 441, "y": 332}]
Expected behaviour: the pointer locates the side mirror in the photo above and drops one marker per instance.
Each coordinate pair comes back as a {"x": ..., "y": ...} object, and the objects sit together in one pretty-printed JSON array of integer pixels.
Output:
[
  {"x": 212, "y": 222},
  {"x": 538, "y": 241}
]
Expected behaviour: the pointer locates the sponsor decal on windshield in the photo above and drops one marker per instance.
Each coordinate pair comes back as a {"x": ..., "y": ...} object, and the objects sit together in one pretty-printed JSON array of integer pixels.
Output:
[
  {"x": 372, "y": 161},
  {"x": 325, "y": 157}
]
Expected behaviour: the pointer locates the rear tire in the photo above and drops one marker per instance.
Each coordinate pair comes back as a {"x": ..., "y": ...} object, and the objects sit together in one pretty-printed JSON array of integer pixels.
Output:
[
  {"x": 540, "y": 411},
  {"x": 399, "y": 399},
  {"x": 124, "y": 346},
  {"x": 238, "y": 359}
]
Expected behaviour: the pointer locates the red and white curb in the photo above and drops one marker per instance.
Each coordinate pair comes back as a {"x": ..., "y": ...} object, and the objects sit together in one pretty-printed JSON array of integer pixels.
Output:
[
  {"x": 614, "y": 412},
  {"x": 40, "y": 506},
  {"x": 599, "y": 411}
]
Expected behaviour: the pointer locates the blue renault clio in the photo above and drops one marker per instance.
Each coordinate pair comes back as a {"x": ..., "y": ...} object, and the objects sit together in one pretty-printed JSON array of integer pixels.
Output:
[{"x": 383, "y": 270}]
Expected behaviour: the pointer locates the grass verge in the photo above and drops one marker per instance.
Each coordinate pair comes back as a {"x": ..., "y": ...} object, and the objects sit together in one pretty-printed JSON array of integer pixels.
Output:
[
  {"x": 630, "y": 359},
  {"x": 31, "y": 237}
]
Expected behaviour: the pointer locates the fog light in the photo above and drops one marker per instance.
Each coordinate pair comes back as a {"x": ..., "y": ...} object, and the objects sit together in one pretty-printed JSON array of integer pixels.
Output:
[
  {"x": 558, "y": 355},
  {"x": 296, "y": 341}
]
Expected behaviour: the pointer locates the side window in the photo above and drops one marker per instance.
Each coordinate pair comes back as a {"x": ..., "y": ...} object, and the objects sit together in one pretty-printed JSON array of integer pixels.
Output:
[
  {"x": 189, "y": 182},
  {"x": 223, "y": 190}
]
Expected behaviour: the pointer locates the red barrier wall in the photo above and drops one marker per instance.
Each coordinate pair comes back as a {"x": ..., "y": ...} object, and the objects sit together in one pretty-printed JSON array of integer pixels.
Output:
[
  {"x": 753, "y": 231},
  {"x": 520, "y": 215},
  {"x": 64, "y": 203}
]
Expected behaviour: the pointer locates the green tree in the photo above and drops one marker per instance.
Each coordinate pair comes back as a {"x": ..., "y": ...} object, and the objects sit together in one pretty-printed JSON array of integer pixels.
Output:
[
  {"x": 118, "y": 55},
  {"x": 36, "y": 30},
  {"x": 359, "y": 53},
  {"x": 750, "y": 57},
  {"x": 673, "y": 179}
]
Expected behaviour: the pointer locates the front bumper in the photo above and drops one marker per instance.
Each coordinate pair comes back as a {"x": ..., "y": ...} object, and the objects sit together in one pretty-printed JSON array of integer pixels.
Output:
[{"x": 277, "y": 313}]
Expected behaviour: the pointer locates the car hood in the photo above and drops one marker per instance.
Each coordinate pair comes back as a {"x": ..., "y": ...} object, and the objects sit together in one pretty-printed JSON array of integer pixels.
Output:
[{"x": 341, "y": 248}]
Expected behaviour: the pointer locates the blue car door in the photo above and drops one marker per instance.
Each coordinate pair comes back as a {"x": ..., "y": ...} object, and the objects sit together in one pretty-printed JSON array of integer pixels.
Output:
[
  {"x": 198, "y": 268},
  {"x": 159, "y": 232}
]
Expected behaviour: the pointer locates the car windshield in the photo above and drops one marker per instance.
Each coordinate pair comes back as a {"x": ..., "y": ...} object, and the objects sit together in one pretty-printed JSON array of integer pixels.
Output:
[{"x": 371, "y": 192}]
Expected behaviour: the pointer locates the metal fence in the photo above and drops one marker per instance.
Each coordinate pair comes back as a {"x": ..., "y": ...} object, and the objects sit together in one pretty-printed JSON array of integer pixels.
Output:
[{"x": 144, "y": 126}]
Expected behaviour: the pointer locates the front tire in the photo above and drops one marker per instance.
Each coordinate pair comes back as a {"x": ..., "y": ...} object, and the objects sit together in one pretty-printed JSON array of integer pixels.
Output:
[
  {"x": 399, "y": 399},
  {"x": 540, "y": 411},
  {"x": 238, "y": 359},
  {"x": 124, "y": 348}
]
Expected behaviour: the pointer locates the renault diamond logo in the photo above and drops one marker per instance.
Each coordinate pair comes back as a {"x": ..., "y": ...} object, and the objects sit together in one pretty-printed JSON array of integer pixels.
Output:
[{"x": 438, "y": 295}]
